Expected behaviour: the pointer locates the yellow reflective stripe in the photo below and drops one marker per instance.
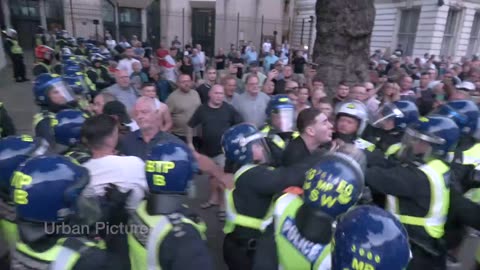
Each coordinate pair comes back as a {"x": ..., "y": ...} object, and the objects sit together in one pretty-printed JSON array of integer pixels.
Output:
[
  {"x": 364, "y": 145},
  {"x": 393, "y": 149},
  {"x": 66, "y": 259},
  {"x": 233, "y": 218},
  {"x": 48, "y": 255},
  {"x": 472, "y": 156},
  {"x": 201, "y": 227},
  {"x": 155, "y": 238},
  {"x": 295, "y": 134},
  {"x": 266, "y": 129},
  {"x": 278, "y": 141}
]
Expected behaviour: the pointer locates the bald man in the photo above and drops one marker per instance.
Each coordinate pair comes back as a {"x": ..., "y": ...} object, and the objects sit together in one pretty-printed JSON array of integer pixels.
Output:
[{"x": 215, "y": 117}]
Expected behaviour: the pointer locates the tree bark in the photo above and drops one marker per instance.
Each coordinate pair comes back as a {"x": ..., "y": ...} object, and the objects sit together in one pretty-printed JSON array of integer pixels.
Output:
[{"x": 342, "y": 45}]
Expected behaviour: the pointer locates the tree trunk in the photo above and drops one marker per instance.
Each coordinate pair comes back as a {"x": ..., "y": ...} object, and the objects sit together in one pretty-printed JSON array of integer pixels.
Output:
[{"x": 342, "y": 45}]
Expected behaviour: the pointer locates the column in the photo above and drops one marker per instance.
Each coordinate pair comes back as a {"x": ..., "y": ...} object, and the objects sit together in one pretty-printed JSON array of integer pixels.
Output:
[
  {"x": 6, "y": 13},
  {"x": 43, "y": 14},
  {"x": 117, "y": 23},
  {"x": 144, "y": 23}
]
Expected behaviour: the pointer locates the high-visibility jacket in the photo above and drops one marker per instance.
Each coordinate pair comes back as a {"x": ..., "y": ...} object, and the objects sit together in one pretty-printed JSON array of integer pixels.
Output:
[
  {"x": 8, "y": 227},
  {"x": 147, "y": 235},
  {"x": 277, "y": 140},
  {"x": 62, "y": 256},
  {"x": 233, "y": 218},
  {"x": 15, "y": 48},
  {"x": 293, "y": 250},
  {"x": 438, "y": 175}
]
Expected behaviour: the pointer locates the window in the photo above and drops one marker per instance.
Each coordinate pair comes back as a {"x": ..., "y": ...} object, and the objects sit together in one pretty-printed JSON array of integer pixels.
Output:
[
  {"x": 130, "y": 16},
  {"x": 450, "y": 33},
  {"x": 473, "y": 42},
  {"x": 24, "y": 8},
  {"x": 108, "y": 12},
  {"x": 54, "y": 9},
  {"x": 408, "y": 29}
]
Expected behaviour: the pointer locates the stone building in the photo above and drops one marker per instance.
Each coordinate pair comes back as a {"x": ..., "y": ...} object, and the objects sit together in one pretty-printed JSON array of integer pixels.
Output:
[{"x": 448, "y": 27}]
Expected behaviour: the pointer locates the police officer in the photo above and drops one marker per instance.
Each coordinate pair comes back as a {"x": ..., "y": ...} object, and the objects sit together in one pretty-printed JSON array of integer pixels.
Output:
[
  {"x": 47, "y": 195},
  {"x": 67, "y": 135},
  {"x": 351, "y": 120},
  {"x": 52, "y": 94},
  {"x": 466, "y": 158},
  {"x": 44, "y": 55},
  {"x": 368, "y": 237},
  {"x": 15, "y": 52},
  {"x": 418, "y": 189},
  {"x": 249, "y": 205},
  {"x": 60, "y": 42},
  {"x": 7, "y": 127},
  {"x": 98, "y": 73},
  {"x": 467, "y": 155},
  {"x": 279, "y": 130},
  {"x": 73, "y": 68},
  {"x": 307, "y": 222},
  {"x": 40, "y": 36},
  {"x": 81, "y": 49},
  {"x": 391, "y": 120},
  {"x": 173, "y": 237},
  {"x": 14, "y": 150},
  {"x": 81, "y": 90}
]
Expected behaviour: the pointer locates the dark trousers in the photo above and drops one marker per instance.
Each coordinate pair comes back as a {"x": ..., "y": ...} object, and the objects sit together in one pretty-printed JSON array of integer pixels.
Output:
[
  {"x": 422, "y": 260},
  {"x": 238, "y": 254},
  {"x": 18, "y": 66}
]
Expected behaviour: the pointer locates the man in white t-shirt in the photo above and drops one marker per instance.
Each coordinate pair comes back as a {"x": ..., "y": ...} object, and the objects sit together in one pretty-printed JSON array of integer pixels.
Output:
[
  {"x": 266, "y": 47},
  {"x": 126, "y": 63},
  {"x": 100, "y": 133}
]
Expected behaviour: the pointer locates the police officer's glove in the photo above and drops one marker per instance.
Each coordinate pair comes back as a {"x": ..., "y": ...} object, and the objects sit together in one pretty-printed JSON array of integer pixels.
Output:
[
  {"x": 366, "y": 197},
  {"x": 116, "y": 200}
]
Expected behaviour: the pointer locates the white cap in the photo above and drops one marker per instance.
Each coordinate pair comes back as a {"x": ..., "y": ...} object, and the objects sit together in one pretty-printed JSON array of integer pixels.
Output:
[{"x": 468, "y": 86}]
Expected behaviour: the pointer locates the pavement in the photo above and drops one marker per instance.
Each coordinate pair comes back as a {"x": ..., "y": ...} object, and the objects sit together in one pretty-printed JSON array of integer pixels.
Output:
[{"x": 18, "y": 99}]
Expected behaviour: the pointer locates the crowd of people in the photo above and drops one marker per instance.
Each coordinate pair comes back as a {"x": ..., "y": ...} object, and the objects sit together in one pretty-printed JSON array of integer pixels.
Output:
[{"x": 380, "y": 174}]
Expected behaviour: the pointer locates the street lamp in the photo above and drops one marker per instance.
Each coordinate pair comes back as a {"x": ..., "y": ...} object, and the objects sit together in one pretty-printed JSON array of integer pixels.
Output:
[{"x": 96, "y": 22}]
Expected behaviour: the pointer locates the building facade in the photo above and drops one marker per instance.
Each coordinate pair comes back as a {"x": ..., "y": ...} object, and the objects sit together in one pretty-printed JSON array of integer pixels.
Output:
[
  {"x": 213, "y": 23},
  {"x": 442, "y": 28}
]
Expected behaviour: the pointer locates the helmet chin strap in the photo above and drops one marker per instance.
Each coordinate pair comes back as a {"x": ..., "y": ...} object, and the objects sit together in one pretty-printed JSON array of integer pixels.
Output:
[{"x": 314, "y": 224}]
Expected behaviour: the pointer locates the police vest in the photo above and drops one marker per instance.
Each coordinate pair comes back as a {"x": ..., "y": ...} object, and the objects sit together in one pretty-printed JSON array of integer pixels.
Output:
[
  {"x": 37, "y": 118},
  {"x": 233, "y": 218},
  {"x": 147, "y": 233},
  {"x": 277, "y": 140},
  {"x": 39, "y": 39},
  {"x": 393, "y": 149},
  {"x": 8, "y": 227},
  {"x": 364, "y": 145},
  {"x": 438, "y": 174},
  {"x": 472, "y": 156},
  {"x": 78, "y": 157},
  {"x": 62, "y": 256},
  {"x": 293, "y": 250},
  {"x": 15, "y": 49}
]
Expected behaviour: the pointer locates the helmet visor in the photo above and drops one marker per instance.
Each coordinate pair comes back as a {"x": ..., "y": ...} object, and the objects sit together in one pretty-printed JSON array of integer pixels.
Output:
[
  {"x": 259, "y": 147},
  {"x": 417, "y": 145},
  {"x": 60, "y": 93},
  {"x": 283, "y": 118},
  {"x": 384, "y": 113}
]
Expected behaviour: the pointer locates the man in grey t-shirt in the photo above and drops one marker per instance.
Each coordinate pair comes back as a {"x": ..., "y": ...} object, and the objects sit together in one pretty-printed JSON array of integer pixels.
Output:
[
  {"x": 252, "y": 104},
  {"x": 123, "y": 91}
]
